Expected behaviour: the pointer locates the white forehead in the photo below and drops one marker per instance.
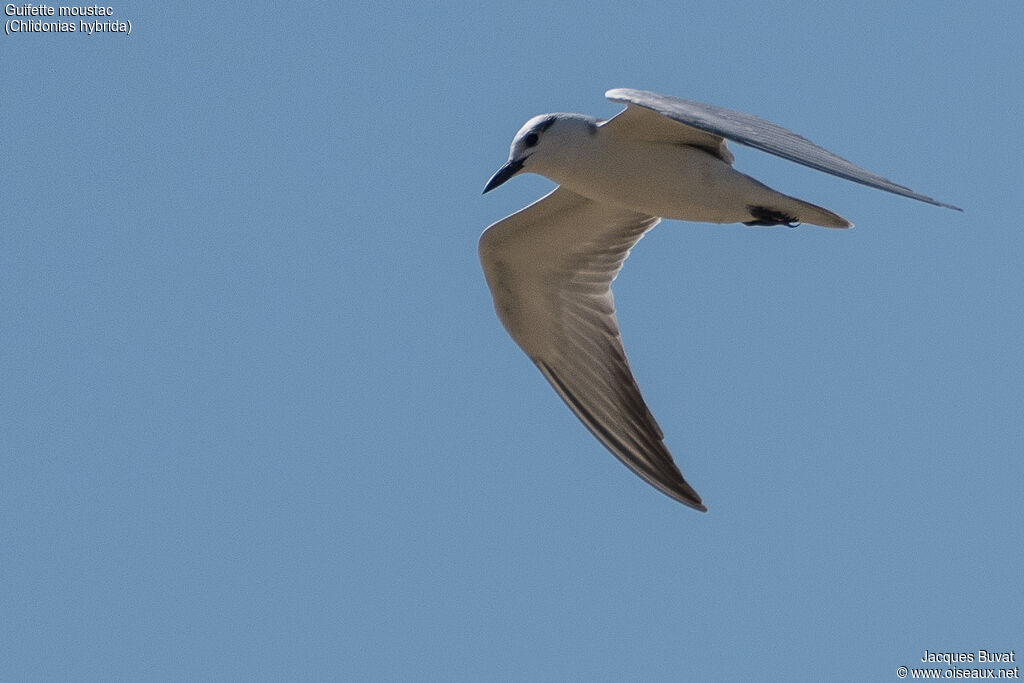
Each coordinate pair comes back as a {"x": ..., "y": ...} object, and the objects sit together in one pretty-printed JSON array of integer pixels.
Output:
[{"x": 540, "y": 123}]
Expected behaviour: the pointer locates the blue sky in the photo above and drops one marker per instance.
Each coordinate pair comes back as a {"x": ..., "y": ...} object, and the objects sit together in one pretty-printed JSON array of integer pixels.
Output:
[{"x": 259, "y": 421}]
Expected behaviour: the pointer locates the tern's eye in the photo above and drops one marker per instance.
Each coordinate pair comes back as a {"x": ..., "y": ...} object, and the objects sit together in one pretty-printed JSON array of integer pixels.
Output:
[{"x": 531, "y": 139}]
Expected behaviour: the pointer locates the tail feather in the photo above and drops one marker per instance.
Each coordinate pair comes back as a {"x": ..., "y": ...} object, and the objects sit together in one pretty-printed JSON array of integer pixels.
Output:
[{"x": 805, "y": 212}]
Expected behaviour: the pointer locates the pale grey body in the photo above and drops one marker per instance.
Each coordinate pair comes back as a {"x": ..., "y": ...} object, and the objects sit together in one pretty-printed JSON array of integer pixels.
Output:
[
  {"x": 612, "y": 163},
  {"x": 550, "y": 266}
]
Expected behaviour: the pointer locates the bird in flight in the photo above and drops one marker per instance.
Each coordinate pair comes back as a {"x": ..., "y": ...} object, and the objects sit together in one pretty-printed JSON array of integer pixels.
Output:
[{"x": 550, "y": 266}]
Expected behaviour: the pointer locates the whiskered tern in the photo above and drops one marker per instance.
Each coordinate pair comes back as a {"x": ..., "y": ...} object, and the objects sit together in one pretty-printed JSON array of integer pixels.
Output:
[{"x": 550, "y": 266}]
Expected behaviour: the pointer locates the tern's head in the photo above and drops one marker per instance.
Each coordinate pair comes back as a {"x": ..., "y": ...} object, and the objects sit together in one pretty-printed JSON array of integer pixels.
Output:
[{"x": 547, "y": 141}]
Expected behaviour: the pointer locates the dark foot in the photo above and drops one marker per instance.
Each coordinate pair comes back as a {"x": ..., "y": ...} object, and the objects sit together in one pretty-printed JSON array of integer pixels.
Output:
[{"x": 766, "y": 216}]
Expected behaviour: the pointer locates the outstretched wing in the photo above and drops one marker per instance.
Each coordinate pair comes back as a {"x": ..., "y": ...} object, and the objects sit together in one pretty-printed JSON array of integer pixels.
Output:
[
  {"x": 550, "y": 268},
  {"x": 643, "y": 106}
]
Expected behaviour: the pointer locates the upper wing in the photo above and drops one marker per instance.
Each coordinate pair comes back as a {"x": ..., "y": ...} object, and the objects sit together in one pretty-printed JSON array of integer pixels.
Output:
[
  {"x": 750, "y": 130},
  {"x": 550, "y": 268},
  {"x": 643, "y": 124}
]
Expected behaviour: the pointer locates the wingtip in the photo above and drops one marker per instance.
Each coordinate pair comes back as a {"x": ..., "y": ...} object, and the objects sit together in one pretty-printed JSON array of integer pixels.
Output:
[
  {"x": 691, "y": 501},
  {"x": 697, "y": 504},
  {"x": 933, "y": 202},
  {"x": 688, "y": 497}
]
